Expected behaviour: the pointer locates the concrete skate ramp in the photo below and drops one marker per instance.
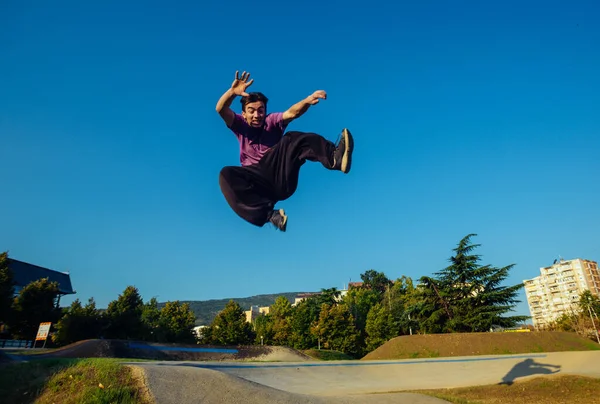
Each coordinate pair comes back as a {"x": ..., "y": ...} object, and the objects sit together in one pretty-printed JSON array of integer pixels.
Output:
[
  {"x": 344, "y": 381},
  {"x": 97, "y": 348},
  {"x": 173, "y": 384}
]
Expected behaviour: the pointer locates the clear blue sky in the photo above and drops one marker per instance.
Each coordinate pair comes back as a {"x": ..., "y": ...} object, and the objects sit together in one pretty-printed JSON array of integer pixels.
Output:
[{"x": 468, "y": 117}]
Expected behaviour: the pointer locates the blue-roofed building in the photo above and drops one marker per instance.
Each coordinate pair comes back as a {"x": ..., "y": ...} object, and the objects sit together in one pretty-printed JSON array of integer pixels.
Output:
[{"x": 25, "y": 273}]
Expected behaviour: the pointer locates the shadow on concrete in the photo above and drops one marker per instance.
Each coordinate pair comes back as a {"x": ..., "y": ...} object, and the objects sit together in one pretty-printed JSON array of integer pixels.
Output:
[{"x": 528, "y": 367}]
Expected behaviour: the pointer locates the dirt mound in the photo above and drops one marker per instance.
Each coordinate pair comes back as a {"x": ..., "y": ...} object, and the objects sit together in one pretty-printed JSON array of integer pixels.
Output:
[
  {"x": 468, "y": 344},
  {"x": 98, "y": 348},
  {"x": 93, "y": 348},
  {"x": 281, "y": 354}
]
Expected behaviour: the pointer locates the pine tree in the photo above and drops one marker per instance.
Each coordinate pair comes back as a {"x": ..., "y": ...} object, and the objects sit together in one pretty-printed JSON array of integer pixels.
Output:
[{"x": 468, "y": 297}]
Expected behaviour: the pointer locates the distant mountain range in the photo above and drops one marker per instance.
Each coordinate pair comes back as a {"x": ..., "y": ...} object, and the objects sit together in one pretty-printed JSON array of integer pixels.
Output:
[{"x": 206, "y": 310}]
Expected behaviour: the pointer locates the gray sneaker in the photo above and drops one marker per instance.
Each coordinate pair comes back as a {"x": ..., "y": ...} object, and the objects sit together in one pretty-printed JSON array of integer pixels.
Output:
[
  {"x": 342, "y": 156},
  {"x": 279, "y": 219}
]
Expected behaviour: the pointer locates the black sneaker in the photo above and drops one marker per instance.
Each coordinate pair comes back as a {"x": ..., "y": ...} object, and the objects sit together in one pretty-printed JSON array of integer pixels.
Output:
[
  {"x": 279, "y": 219},
  {"x": 342, "y": 156}
]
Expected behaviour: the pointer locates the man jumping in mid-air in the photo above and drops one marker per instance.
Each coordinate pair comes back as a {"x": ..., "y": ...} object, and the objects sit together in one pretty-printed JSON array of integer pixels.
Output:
[{"x": 270, "y": 160}]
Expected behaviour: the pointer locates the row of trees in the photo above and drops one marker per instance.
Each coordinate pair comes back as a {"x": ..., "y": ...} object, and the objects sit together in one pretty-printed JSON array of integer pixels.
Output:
[
  {"x": 463, "y": 297},
  {"x": 127, "y": 317}
]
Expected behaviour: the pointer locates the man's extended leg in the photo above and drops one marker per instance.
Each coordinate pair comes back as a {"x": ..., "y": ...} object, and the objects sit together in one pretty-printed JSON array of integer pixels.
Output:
[{"x": 281, "y": 165}]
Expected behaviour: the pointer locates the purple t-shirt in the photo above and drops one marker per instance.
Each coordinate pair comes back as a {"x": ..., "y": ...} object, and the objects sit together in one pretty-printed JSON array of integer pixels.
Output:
[{"x": 255, "y": 142}]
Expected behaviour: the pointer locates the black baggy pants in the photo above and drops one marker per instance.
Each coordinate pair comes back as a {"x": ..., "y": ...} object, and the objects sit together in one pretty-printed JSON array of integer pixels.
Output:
[{"x": 252, "y": 191}]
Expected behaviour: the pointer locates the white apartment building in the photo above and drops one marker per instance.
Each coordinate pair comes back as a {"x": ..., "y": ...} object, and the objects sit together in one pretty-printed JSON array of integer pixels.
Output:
[{"x": 556, "y": 291}]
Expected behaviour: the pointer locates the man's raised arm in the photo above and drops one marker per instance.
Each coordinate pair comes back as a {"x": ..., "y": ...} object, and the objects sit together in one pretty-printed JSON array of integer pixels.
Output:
[
  {"x": 237, "y": 88},
  {"x": 223, "y": 107},
  {"x": 296, "y": 110}
]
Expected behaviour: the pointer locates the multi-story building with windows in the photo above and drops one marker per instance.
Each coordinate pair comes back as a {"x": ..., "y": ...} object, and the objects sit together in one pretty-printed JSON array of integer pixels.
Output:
[{"x": 556, "y": 291}]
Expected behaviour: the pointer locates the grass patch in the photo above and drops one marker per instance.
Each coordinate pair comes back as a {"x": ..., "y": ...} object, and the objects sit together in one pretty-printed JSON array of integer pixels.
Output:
[
  {"x": 30, "y": 351},
  {"x": 69, "y": 381},
  {"x": 327, "y": 355},
  {"x": 547, "y": 390},
  {"x": 425, "y": 353},
  {"x": 472, "y": 344},
  {"x": 592, "y": 346}
]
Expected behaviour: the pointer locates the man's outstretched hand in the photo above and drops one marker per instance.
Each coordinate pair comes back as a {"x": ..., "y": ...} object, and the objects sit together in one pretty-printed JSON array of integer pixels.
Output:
[
  {"x": 298, "y": 109},
  {"x": 240, "y": 84},
  {"x": 316, "y": 96}
]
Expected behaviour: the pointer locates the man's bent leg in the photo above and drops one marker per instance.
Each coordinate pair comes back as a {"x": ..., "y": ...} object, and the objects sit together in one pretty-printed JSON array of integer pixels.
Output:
[
  {"x": 302, "y": 146},
  {"x": 247, "y": 194},
  {"x": 282, "y": 164}
]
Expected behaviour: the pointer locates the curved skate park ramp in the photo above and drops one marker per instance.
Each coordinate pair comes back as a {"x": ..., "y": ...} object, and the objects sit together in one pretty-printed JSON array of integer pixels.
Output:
[
  {"x": 351, "y": 381},
  {"x": 264, "y": 374},
  {"x": 99, "y": 348}
]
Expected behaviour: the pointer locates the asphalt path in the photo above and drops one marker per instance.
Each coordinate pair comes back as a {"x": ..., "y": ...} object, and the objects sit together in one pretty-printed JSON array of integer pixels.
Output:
[{"x": 350, "y": 381}]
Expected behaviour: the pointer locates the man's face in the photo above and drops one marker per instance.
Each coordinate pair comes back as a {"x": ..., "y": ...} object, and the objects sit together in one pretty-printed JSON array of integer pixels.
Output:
[{"x": 255, "y": 113}]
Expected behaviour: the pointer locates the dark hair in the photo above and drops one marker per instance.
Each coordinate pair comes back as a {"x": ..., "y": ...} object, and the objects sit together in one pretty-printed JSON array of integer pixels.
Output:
[{"x": 253, "y": 97}]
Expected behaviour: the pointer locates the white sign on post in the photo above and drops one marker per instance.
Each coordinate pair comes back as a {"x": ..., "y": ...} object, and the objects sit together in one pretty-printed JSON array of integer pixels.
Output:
[{"x": 42, "y": 334}]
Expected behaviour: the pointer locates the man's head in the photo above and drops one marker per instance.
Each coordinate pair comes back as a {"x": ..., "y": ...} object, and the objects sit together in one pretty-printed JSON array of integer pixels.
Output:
[{"x": 254, "y": 109}]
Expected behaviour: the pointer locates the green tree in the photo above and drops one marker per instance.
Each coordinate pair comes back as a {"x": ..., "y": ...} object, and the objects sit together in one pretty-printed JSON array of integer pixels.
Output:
[
  {"x": 379, "y": 328},
  {"x": 304, "y": 315},
  {"x": 229, "y": 327},
  {"x": 376, "y": 281},
  {"x": 78, "y": 323},
  {"x": 359, "y": 301},
  {"x": 35, "y": 304},
  {"x": 431, "y": 309},
  {"x": 281, "y": 314},
  {"x": 177, "y": 321},
  {"x": 336, "y": 329},
  {"x": 468, "y": 297},
  {"x": 151, "y": 321},
  {"x": 402, "y": 299},
  {"x": 589, "y": 305},
  {"x": 329, "y": 296},
  {"x": 263, "y": 327},
  {"x": 565, "y": 322},
  {"x": 7, "y": 289},
  {"x": 124, "y": 316}
]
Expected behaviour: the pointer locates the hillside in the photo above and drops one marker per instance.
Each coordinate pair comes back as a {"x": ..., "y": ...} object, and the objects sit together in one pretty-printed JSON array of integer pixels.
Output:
[
  {"x": 490, "y": 343},
  {"x": 206, "y": 310}
]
